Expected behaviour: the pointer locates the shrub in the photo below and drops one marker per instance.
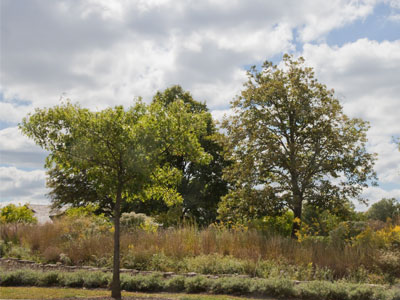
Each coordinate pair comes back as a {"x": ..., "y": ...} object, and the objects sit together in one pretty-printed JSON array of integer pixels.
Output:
[
  {"x": 231, "y": 286},
  {"x": 197, "y": 284},
  {"x": 133, "y": 221},
  {"x": 52, "y": 254},
  {"x": 96, "y": 280},
  {"x": 320, "y": 290},
  {"x": 73, "y": 279},
  {"x": 273, "y": 287},
  {"x": 362, "y": 293},
  {"x": 175, "y": 284},
  {"x": 214, "y": 264},
  {"x": 17, "y": 214},
  {"x": 142, "y": 283},
  {"x": 48, "y": 279},
  {"x": 20, "y": 277}
]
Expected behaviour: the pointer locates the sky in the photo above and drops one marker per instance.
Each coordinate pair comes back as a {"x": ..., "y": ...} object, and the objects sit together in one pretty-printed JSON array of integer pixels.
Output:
[{"x": 103, "y": 53}]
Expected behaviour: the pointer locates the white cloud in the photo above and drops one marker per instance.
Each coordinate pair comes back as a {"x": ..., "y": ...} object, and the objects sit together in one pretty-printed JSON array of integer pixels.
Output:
[
  {"x": 102, "y": 53},
  {"x": 365, "y": 76},
  {"x": 22, "y": 186},
  {"x": 375, "y": 194},
  {"x": 19, "y": 151},
  {"x": 106, "y": 52}
]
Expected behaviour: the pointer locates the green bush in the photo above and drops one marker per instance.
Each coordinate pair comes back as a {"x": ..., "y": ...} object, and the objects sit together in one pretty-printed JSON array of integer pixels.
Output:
[
  {"x": 273, "y": 287},
  {"x": 362, "y": 293},
  {"x": 140, "y": 283},
  {"x": 197, "y": 284},
  {"x": 231, "y": 286},
  {"x": 20, "y": 277},
  {"x": 48, "y": 279},
  {"x": 96, "y": 280},
  {"x": 322, "y": 290},
  {"x": 73, "y": 279},
  {"x": 277, "y": 288},
  {"x": 175, "y": 284},
  {"x": 17, "y": 214},
  {"x": 214, "y": 264}
]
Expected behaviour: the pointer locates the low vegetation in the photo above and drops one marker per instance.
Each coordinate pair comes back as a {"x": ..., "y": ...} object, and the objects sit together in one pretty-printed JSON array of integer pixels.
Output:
[
  {"x": 278, "y": 287},
  {"x": 360, "y": 252}
]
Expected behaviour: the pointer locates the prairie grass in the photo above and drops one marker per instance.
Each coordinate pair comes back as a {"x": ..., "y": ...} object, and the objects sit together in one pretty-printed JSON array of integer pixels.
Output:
[{"x": 212, "y": 250}]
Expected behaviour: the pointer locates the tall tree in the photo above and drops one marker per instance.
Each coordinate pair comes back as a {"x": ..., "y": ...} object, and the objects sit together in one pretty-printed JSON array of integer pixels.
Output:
[
  {"x": 120, "y": 152},
  {"x": 292, "y": 144},
  {"x": 384, "y": 209},
  {"x": 201, "y": 186}
]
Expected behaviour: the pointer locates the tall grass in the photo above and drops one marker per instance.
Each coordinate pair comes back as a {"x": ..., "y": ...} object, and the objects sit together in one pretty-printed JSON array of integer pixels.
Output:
[{"x": 188, "y": 248}]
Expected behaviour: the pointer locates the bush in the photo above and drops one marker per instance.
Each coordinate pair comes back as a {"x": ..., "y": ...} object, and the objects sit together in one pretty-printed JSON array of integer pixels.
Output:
[
  {"x": 17, "y": 214},
  {"x": 231, "y": 286},
  {"x": 362, "y": 293},
  {"x": 273, "y": 287},
  {"x": 48, "y": 279},
  {"x": 20, "y": 277},
  {"x": 320, "y": 290},
  {"x": 175, "y": 284},
  {"x": 140, "y": 283},
  {"x": 96, "y": 280},
  {"x": 73, "y": 279},
  {"x": 214, "y": 264},
  {"x": 197, "y": 284}
]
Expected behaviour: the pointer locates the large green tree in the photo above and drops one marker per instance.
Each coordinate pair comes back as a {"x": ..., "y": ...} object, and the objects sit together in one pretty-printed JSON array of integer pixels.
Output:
[
  {"x": 292, "y": 145},
  {"x": 384, "y": 209},
  {"x": 201, "y": 185},
  {"x": 119, "y": 152}
]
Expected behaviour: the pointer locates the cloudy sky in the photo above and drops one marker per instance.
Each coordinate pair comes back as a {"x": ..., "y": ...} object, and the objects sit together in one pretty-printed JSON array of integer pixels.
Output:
[{"x": 106, "y": 52}]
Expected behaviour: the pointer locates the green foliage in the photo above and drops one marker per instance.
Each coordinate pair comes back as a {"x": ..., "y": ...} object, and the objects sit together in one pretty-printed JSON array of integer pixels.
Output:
[
  {"x": 291, "y": 144},
  {"x": 384, "y": 209},
  {"x": 72, "y": 279},
  {"x": 133, "y": 221},
  {"x": 20, "y": 277},
  {"x": 197, "y": 284},
  {"x": 201, "y": 186},
  {"x": 175, "y": 284},
  {"x": 275, "y": 287},
  {"x": 120, "y": 155},
  {"x": 231, "y": 286},
  {"x": 278, "y": 287},
  {"x": 214, "y": 264},
  {"x": 96, "y": 280},
  {"x": 17, "y": 214},
  {"x": 151, "y": 283},
  {"x": 281, "y": 224},
  {"x": 48, "y": 279}
]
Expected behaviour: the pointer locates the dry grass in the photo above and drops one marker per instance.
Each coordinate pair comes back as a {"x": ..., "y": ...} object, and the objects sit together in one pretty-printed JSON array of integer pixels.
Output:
[{"x": 83, "y": 243}]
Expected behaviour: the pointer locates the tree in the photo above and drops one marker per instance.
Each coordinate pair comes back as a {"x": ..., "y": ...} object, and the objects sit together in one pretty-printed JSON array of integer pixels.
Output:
[
  {"x": 384, "y": 209},
  {"x": 17, "y": 214},
  {"x": 119, "y": 152},
  {"x": 292, "y": 144},
  {"x": 201, "y": 186}
]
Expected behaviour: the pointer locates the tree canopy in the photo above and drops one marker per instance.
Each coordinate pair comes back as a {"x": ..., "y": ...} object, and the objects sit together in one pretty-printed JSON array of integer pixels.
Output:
[
  {"x": 201, "y": 185},
  {"x": 120, "y": 153},
  {"x": 17, "y": 214},
  {"x": 291, "y": 144},
  {"x": 384, "y": 209}
]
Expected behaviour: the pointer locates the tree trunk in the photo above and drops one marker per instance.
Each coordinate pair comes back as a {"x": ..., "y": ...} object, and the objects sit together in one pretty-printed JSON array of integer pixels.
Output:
[
  {"x": 297, "y": 215},
  {"x": 116, "y": 284}
]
